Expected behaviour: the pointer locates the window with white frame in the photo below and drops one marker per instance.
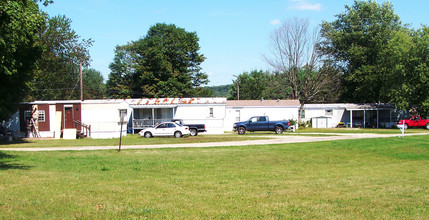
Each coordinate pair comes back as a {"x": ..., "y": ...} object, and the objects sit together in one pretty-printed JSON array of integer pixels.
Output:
[
  {"x": 303, "y": 114},
  {"x": 329, "y": 112},
  {"x": 28, "y": 114},
  {"x": 211, "y": 113}
]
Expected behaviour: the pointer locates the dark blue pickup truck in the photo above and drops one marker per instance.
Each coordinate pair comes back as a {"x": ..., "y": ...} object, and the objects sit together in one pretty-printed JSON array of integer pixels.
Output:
[{"x": 261, "y": 123}]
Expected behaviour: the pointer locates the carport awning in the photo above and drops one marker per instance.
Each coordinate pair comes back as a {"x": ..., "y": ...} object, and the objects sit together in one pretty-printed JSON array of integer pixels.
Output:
[
  {"x": 369, "y": 107},
  {"x": 153, "y": 106}
]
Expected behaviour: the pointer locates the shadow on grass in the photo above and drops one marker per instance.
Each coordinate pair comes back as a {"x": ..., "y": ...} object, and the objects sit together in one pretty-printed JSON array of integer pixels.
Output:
[
  {"x": 5, "y": 163},
  {"x": 20, "y": 141}
]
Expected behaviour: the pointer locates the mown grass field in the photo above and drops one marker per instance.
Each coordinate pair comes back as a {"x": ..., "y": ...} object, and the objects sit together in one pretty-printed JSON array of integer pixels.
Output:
[
  {"x": 361, "y": 130},
  {"x": 350, "y": 179},
  {"x": 137, "y": 140},
  {"x": 126, "y": 140}
]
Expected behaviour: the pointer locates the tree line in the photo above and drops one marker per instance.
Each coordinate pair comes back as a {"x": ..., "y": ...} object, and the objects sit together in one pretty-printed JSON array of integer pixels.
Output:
[
  {"x": 40, "y": 57},
  {"x": 365, "y": 55}
]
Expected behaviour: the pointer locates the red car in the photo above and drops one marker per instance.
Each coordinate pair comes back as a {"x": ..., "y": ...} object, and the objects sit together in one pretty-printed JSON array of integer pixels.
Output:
[{"x": 415, "y": 121}]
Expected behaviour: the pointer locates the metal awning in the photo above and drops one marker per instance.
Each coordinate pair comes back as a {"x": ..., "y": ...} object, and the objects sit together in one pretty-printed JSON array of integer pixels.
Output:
[
  {"x": 369, "y": 107},
  {"x": 153, "y": 106}
]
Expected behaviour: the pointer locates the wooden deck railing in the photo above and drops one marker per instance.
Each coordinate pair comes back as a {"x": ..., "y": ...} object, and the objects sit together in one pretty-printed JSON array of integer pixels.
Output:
[{"x": 83, "y": 128}]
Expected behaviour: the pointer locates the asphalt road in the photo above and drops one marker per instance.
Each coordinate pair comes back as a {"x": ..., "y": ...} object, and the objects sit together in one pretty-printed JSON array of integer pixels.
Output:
[{"x": 280, "y": 139}]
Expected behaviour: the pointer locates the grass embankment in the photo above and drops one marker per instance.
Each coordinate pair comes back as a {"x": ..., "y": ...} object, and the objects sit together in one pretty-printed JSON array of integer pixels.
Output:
[
  {"x": 359, "y": 130},
  {"x": 127, "y": 140},
  {"x": 368, "y": 178},
  {"x": 137, "y": 140}
]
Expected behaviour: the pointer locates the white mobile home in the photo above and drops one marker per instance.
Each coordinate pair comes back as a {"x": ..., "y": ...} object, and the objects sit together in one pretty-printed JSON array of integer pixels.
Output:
[
  {"x": 208, "y": 111},
  {"x": 101, "y": 118},
  {"x": 241, "y": 110},
  {"x": 92, "y": 118},
  {"x": 351, "y": 115}
]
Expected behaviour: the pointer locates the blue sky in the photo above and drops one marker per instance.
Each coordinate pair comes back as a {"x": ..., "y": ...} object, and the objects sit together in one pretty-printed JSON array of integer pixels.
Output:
[{"x": 234, "y": 35}]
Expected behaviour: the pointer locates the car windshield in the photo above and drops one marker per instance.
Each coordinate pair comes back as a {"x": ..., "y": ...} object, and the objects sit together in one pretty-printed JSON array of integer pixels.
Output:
[{"x": 179, "y": 125}]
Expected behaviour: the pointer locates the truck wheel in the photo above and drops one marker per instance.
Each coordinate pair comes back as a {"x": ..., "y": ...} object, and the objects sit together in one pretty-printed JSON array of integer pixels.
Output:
[
  {"x": 427, "y": 126},
  {"x": 148, "y": 135},
  {"x": 193, "y": 131},
  {"x": 279, "y": 130},
  {"x": 241, "y": 130},
  {"x": 405, "y": 126}
]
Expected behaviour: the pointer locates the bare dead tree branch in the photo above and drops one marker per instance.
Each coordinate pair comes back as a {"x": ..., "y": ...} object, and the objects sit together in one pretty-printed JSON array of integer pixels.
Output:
[{"x": 295, "y": 54}]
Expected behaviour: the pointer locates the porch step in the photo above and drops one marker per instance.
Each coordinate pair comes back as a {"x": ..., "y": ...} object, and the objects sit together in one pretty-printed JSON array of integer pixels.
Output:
[
  {"x": 69, "y": 133},
  {"x": 80, "y": 135}
]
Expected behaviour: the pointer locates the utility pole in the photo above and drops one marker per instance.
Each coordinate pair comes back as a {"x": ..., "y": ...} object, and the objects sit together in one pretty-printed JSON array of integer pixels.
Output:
[
  {"x": 122, "y": 116},
  {"x": 238, "y": 89},
  {"x": 81, "y": 84}
]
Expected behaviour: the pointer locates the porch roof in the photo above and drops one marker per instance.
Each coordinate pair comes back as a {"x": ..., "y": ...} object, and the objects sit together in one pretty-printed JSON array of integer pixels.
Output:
[
  {"x": 153, "y": 106},
  {"x": 369, "y": 106},
  {"x": 352, "y": 106},
  {"x": 174, "y": 101},
  {"x": 263, "y": 103}
]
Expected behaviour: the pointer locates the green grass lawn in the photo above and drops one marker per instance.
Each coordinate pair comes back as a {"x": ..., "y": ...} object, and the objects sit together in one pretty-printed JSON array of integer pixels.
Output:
[
  {"x": 350, "y": 179},
  {"x": 127, "y": 140},
  {"x": 137, "y": 140}
]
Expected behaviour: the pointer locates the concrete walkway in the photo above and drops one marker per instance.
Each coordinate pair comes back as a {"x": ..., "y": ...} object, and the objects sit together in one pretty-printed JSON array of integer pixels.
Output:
[{"x": 280, "y": 139}]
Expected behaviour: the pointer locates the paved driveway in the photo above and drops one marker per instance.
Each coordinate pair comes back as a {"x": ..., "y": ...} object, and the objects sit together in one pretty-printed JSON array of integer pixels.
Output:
[{"x": 280, "y": 139}]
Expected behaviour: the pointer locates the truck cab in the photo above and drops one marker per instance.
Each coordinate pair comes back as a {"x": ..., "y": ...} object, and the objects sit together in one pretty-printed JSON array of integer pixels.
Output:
[{"x": 258, "y": 123}]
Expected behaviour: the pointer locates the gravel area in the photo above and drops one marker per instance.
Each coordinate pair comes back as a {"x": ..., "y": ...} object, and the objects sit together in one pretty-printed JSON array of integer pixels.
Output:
[{"x": 280, "y": 139}]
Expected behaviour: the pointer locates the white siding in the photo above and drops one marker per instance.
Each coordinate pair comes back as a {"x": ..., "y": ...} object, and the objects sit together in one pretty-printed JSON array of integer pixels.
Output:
[
  {"x": 334, "y": 118},
  {"x": 200, "y": 114},
  {"x": 104, "y": 119}
]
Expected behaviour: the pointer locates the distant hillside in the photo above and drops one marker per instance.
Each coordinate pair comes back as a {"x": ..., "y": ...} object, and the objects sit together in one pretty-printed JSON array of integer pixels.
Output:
[{"x": 219, "y": 91}]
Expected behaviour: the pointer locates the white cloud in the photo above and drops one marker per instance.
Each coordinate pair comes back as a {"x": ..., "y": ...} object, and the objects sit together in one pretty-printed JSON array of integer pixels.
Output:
[
  {"x": 275, "y": 22},
  {"x": 303, "y": 5}
]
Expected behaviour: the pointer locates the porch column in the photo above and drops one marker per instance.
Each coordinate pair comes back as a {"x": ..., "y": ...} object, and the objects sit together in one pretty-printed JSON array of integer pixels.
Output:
[
  {"x": 153, "y": 117},
  {"x": 351, "y": 118},
  {"x": 132, "y": 121},
  {"x": 364, "y": 114},
  {"x": 390, "y": 117},
  {"x": 377, "y": 118}
]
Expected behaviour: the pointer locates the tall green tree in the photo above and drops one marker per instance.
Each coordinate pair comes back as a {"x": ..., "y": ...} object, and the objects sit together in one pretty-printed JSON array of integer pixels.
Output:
[
  {"x": 19, "y": 21},
  {"x": 358, "y": 41},
  {"x": 166, "y": 62},
  {"x": 203, "y": 92},
  {"x": 120, "y": 81},
  {"x": 381, "y": 59},
  {"x": 57, "y": 74},
  {"x": 249, "y": 86},
  {"x": 93, "y": 84},
  {"x": 407, "y": 70}
]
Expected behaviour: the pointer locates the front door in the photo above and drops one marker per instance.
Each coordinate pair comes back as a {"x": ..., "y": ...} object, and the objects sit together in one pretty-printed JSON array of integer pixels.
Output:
[
  {"x": 253, "y": 124},
  {"x": 68, "y": 117}
]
